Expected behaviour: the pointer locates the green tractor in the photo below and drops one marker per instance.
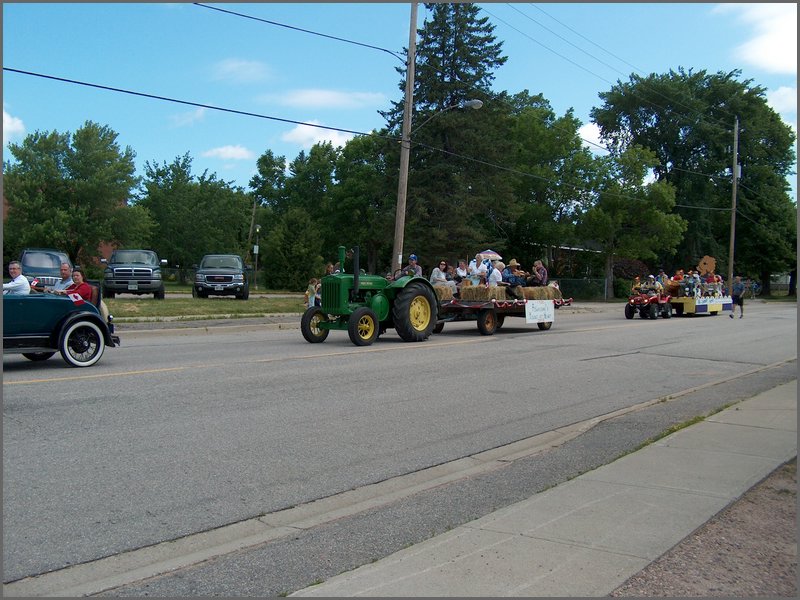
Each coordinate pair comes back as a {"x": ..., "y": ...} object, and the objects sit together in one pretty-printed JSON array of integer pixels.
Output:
[{"x": 367, "y": 305}]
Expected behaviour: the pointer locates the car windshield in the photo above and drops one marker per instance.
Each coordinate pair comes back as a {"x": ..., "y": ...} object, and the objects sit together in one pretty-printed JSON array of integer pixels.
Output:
[
  {"x": 43, "y": 260},
  {"x": 221, "y": 262},
  {"x": 134, "y": 257}
]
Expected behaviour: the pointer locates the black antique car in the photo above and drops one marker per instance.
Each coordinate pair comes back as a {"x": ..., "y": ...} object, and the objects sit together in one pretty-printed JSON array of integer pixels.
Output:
[{"x": 37, "y": 325}]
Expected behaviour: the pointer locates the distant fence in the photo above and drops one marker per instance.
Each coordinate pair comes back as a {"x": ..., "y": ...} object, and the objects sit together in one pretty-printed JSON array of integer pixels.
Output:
[{"x": 582, "y": 289}]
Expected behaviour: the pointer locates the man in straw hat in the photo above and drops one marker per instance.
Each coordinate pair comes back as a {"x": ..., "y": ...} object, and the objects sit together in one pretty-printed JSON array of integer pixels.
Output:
[{"x": 515, "y": 278}]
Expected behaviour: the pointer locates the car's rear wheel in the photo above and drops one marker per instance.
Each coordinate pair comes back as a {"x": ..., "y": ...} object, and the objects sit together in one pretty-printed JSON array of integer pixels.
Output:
[
  {"x": 82, "y": 343},
  {"x": 37, "y": 356}
]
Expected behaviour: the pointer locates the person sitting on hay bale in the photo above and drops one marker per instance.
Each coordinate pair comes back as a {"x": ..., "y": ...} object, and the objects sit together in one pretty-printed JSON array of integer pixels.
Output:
[{"x": 439, "y": 277}]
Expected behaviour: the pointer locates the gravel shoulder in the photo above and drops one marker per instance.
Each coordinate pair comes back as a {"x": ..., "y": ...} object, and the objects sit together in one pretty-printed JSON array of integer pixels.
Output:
[{"x": 748, "y": 549}]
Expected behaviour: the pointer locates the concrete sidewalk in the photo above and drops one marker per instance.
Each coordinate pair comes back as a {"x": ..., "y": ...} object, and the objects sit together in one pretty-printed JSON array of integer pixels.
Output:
[{"x": 589, "y": 535}]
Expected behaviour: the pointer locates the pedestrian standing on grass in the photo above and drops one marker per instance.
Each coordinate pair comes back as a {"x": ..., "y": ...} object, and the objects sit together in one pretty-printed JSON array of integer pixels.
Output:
[{"x": 737, "y": 295}]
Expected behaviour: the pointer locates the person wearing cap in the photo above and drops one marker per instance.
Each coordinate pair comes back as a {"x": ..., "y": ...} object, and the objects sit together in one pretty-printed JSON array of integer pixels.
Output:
[{"x": 412, "y": 268}]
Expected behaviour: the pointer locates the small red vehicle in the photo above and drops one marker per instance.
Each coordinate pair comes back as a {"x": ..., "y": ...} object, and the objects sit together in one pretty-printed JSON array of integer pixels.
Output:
[{"x": 649, "y": 304}]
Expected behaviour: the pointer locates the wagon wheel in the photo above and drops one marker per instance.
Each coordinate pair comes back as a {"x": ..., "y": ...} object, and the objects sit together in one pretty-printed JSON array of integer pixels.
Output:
[{"x": 487, "y": 322}]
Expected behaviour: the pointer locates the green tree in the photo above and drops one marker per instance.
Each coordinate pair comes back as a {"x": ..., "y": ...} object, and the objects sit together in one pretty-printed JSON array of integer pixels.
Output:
[
  {"x": 630, "y": 219},
  {"x": 363, "y": 201},
  {"x": 554, "y": 172},
  {"x": 687, "y": 120},
  {"x": 71, "y": 192},
  {"x": 194, "y": 215},
  {"x": 456, "y": 200},
  {"x": 293, "y": 246}
]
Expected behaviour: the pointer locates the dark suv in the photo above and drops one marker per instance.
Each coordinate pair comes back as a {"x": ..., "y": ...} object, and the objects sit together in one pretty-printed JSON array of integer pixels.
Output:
[
  {"x": 221, "y": 275},
  {"x": 133, "y": 272},
  {"x": 43, "y": 264}
]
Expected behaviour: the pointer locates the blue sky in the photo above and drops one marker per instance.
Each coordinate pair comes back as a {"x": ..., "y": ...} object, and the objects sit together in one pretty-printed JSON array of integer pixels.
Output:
[{"x": 191, "y": 53}]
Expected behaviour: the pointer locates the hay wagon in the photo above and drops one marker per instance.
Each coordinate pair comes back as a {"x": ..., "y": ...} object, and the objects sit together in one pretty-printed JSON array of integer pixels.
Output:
[{"x": 489, "y": 307}]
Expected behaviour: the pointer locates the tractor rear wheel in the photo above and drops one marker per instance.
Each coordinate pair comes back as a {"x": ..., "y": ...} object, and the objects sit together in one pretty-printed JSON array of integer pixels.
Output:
[
  {"x": 487, "y": 322},
  {"x": 363, "y": 326},
  {"x": 309, "y": 325},
  {"x": 414, "y": 312}
]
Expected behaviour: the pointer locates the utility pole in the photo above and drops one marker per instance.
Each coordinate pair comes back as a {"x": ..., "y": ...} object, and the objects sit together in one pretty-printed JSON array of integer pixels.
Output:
[
  {"x": 735, "y": 174},
  {"x": 405, "y": 145}
]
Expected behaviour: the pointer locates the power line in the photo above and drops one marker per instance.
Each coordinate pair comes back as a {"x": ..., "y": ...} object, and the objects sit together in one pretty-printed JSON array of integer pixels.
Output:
[
  {"x": 352, "y": 131},
  {"x": 187, "y": 102},
  {"x": 325, "y": 35},
  {"x": 634, "y": 67}
]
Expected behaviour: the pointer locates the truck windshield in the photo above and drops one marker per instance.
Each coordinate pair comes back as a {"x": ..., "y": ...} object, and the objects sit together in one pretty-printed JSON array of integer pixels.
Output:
[{"x": 134, "y": 257}]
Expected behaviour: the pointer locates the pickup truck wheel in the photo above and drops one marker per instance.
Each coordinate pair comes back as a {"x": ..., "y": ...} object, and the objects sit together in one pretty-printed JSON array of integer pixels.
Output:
[
  {"x": 159, "y": 295},
  {"x": 244, "y": 295},
  {"x": 37, "y": 356},
  {"x": 108, "y": 294},
  {"x": 414, "y": 312},
  {"x": 309, "y": 325},
  {"x": 363, "y": 326},
  {"x": 487, "y": 322},
  {"x": 82, "y": 344},
  {"x": 630, "y": 311}
]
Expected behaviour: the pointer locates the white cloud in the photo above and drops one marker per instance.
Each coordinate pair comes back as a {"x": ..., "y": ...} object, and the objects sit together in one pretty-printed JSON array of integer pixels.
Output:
[
  {"x": 188, "y": 118},
  {"x": 783, "y": 100},
  {"x": 12, "y": 126},
  {"x": 236, "y": 70},
  {"x": 773, "y": 45},
  {"x": 312, "y": 98},
  {"x": 305, "y": 136},
  {"x": 590, "y": 133},
  {"x": 230, "y": 153}
]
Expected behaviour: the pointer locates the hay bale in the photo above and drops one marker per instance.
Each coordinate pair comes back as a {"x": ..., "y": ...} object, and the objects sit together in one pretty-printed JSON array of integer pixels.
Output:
[
  {"x": 541, "y": 293},
  {"x": 443, "y": 292},
  {"x": 483, "y": 293}
]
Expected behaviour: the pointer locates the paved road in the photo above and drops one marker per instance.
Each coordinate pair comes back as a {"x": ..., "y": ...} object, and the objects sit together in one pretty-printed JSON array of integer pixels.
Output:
[{"x": 180, "y": 431}]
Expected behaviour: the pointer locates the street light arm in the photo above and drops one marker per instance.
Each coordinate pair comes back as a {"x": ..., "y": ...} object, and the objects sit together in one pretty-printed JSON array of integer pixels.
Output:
[{"x": 476, "y": 104}]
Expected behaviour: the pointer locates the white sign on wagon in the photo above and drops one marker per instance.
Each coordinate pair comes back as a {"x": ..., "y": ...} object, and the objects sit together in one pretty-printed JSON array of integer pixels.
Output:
[{"x": 540, "y": 311}]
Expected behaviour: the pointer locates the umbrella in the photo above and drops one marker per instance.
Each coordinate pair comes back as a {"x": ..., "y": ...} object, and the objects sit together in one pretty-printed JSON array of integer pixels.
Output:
[{"x": 491, "y": 255}]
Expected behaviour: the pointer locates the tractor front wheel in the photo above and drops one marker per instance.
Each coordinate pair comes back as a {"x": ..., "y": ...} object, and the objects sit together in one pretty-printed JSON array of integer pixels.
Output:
[
  {"x": 309, "y": 325},
  {"x": 414, "y": 312},
  {"x": 363, "y": 326}
]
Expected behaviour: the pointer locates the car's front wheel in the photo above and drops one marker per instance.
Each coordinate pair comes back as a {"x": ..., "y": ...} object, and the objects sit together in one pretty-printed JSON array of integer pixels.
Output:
[{"x": 82, "y": 344}]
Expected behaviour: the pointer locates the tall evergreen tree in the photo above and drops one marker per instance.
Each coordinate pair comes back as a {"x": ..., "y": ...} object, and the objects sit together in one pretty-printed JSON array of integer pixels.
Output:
[{"x": 456, "y": 201}]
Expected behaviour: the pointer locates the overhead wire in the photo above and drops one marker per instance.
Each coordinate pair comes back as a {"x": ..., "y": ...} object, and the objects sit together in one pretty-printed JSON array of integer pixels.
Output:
[{"x": 325, "y": 35}]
